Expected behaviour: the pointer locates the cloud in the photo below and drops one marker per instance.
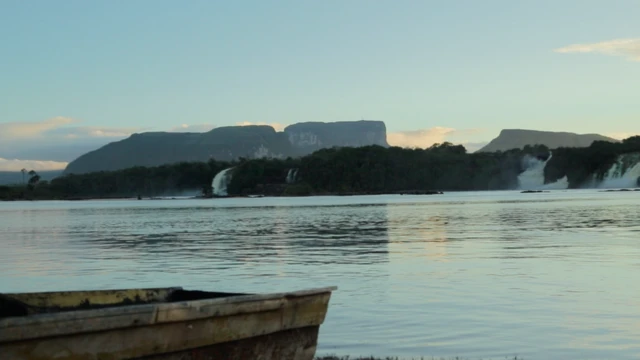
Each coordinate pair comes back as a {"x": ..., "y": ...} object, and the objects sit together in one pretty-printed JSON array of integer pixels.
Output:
[
  {"x": 276, "y": 126},
  {"x": 37, "y": 165},
  {"x": 621, "y": 135},
  {"x": 209, "y": 127},
  {"x": 424, "y": 138},
  {"x": 54, "y": 140},
  {"x": 192, "y": 128},
  {"x": 628, "y": 48},
  {"x": 419, "y": 138},
  {"x": 92, "y": 131},
  {"x": 23, "y": 130},
  {"x": 56, "y": 128}
]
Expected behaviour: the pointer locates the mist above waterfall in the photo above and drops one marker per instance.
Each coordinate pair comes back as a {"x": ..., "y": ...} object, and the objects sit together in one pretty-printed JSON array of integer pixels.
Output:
[
  {"x": 532, "y": 178},
  {"x": 221, "y": 181},
  {"x": 560, "y": 184}
]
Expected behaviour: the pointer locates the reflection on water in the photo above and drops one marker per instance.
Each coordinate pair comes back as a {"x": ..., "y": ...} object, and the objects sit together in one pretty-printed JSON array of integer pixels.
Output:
[
  {"x": 337, "y": 235},
  {"x": 489, "y": 274}
]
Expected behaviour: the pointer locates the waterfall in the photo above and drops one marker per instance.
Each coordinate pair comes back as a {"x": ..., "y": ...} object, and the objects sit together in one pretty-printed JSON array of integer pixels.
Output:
[
  {"x": 220, "y": 182},
  {"x": 625, "y": 173},
  {"x": 292, "y": 175},
  {"x": 560, "y": 184},
  {"x": 289, "y": 179},
  {"x": 532, "y": 178}
]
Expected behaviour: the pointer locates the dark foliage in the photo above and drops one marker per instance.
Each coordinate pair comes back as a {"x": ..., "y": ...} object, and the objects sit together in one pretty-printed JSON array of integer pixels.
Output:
[
  {"x": 167, "y": 180},
  {"x": 579, "y": 164}
]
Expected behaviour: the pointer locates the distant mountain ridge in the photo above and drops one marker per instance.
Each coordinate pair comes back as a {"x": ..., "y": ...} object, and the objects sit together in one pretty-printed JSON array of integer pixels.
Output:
[
  {"x": 519, "y": 138},
  {"x": 228, "y": 143}
]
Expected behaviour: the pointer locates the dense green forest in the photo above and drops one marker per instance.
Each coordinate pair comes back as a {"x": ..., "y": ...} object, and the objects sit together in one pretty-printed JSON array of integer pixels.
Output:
[
  {"x": 174, "y": 179},
  {"x": 362, "y": 170}
]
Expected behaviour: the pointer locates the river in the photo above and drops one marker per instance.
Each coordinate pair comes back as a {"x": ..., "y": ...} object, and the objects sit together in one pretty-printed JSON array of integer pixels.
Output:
[{"x": 472, "y": 274}]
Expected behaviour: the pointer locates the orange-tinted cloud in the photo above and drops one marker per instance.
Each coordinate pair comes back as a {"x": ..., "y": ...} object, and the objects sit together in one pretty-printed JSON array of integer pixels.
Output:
[
  {"x": 621, "y": 135},
  {"x": 424, "y": 138},
  {"x": 57, "y": 127},
  {"x": 22, "y": 130},
  {"x": 37, "y": 165},
  {"x": 192, "y": 128},
  {"x": 276, "y": 126}
]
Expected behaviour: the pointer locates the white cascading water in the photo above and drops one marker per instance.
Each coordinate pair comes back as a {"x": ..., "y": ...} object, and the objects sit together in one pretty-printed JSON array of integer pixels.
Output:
[
  {"x": 292, "y": 175},
  {"x": 623, "y": 174},
  {"x": 560, "y": 184},
  {"x": 220, "y": 182},
  {"x": 533, "y": 176}
]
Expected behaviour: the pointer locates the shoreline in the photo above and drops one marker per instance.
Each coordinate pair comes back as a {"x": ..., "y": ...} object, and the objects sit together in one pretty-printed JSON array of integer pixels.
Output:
[
  {"x": 251, "y": 196},
  {"x": 199, "y": 197}
]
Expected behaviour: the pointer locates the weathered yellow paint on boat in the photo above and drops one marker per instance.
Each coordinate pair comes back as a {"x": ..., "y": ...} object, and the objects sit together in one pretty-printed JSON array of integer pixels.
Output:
[
  {"x": 77, "y": 299},
  {"x": 135, "y": 331}
]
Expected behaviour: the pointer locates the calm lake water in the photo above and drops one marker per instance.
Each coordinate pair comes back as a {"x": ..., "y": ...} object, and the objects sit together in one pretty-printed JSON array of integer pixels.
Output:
[{"x": 479, "y": 274}]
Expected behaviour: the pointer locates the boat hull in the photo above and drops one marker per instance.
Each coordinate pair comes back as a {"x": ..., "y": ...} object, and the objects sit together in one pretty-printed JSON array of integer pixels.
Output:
[
  {"x": 295, "y": 344},
  {"x": 271, "y": 326}
]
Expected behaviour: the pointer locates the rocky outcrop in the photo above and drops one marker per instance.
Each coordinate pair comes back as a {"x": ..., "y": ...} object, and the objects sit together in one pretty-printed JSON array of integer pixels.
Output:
[
  {"x": 311, "y": 136},
  {"x": 518, "y": 139},
  {"x": 228, "y": 143}
]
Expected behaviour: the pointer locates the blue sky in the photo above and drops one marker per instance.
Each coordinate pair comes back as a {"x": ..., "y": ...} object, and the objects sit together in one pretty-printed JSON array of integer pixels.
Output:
[{"x": 88, "y": 71}]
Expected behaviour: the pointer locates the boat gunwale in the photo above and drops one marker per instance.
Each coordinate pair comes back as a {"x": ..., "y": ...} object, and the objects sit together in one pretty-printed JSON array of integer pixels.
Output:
[
  {"x": 168, "y": 288},
  {"x": 17, "y": 328}
]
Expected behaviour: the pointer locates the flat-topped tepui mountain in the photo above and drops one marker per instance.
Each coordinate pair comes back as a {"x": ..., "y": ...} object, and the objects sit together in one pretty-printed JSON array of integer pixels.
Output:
[
  {"x": 228, "y": 143},
  {"x": 517, "y": 139},
  {"x": 311, "y": 136}
]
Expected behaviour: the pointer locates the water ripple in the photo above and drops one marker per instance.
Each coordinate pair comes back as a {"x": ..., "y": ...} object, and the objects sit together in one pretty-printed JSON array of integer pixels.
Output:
[{"x": 489, "y": 274}]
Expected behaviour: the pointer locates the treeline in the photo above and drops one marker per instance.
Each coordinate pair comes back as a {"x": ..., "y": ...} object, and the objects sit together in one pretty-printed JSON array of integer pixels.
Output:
[
  {"x": 175, "y": 179},
  {"x": 363, "y": 170},
  {"x": 374, "y": 169},
  {"x": 162, "y": 180}
]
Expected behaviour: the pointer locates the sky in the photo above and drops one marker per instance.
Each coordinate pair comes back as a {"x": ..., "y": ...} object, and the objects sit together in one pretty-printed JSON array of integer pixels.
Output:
[{"x": 75, "y": 75}]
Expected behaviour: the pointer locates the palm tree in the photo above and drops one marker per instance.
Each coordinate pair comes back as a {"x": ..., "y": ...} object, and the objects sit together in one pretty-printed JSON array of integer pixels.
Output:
[
  {"x": 24, "y": 171},
  {"x": 34, "y": 179}
]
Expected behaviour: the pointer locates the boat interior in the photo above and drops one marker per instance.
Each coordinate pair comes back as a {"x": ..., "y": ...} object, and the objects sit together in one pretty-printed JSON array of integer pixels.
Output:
[{"x": 25, "y": 304}]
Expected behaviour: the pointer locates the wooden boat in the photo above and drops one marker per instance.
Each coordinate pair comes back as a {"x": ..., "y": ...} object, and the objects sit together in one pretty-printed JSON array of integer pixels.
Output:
[{"x": 164, "y": 323}]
